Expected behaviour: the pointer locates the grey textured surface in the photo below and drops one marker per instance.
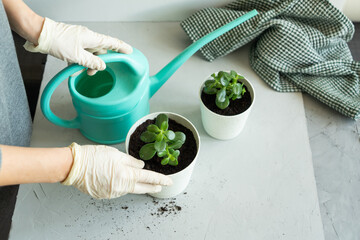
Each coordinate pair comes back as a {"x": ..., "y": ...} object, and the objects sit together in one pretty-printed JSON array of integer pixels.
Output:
[
  {"x": 335, "y": 146},
  {"x": 335, "y": 142},
  {"x": 266, "y": 193}
]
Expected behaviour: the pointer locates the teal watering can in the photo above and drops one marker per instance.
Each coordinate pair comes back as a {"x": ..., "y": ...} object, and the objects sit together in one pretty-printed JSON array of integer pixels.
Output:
[{"x": 111, "y": 101}]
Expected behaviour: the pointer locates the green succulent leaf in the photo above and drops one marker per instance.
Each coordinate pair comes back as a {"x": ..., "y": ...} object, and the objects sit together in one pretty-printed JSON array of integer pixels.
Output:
[
  {"x": 223, "y": 105},
  {"x": 159, "y": 137},
  {"x": 232, "y": 95},
  {"x": 176, "y": 144},
  {"x": 221, "y": 95},
  {"x": 147, "y": 151},
  {"x": 226, "y": 87},
  {"x": 227, "y": 76},
  {"x": 237, "y": 88},
  {"x": 176, "y": 154},
  {"x": 220, "y": 74},
  {"x": 160, "y": 119},
  {"x": 224, "y": 80},
  {"x": 165, "y": 161},
  {"x": 233, "y": 74},
  {"x": 161, "y": 141},
  {"x": 148, "y": 137},
  {"x": 180, "y": 136},
  {"x": 170, "y": 134},
  {"x": 243, "y": 91},
  {"x": 153, "y": 128},
  {"x": 164, "y": 126},
  {"x": 209, "y": 83},
  {"x": 209, "y": 91},
  {"x": 160, "y": 146},
  {"x": 162, "y": 153},
  {"x": 173, "y": 161}
]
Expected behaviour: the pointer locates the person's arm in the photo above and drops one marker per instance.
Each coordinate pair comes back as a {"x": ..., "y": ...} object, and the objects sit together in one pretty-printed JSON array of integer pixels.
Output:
[
  {"x": 98, "y": 170},
  {"x": 34, "y": 165},
  {"x": 23, "y": 20},
  {"x": 71, "y": 43}
]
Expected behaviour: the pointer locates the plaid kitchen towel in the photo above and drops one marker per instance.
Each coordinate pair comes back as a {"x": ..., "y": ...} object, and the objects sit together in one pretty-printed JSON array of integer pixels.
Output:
[{"x": 300, "y": 45}]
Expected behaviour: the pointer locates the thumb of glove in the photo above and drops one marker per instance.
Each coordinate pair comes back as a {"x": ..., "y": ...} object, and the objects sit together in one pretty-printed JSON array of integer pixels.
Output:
[
  {"x": 90, "y": 71},
  {"x": 91, "y": 61}
]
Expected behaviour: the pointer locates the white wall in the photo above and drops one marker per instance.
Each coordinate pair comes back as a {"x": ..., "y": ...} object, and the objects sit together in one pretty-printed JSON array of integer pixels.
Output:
[
  {"x": 120, "y": 10},
  {"x": 351, "y": 8},
  {"x": 143, "y": 10}
]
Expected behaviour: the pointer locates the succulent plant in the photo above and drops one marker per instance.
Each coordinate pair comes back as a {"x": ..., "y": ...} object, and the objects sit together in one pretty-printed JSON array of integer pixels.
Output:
[
  {"x": 226, "y": 86},
  {"x": 161, "y": 141}
]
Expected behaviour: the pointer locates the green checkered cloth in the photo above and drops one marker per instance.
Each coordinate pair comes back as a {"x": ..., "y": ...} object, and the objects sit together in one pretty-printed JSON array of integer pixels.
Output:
[{"x": 300, "y": 45}]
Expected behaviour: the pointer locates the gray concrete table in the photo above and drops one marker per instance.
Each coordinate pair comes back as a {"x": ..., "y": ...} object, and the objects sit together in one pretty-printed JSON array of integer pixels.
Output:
[
  {"x": 260, "y": 185},
  {"x": 335, "y": 145}
]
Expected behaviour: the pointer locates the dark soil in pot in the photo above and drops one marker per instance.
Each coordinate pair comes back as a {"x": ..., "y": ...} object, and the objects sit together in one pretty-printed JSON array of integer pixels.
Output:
[
  {"x": 235, "y": 107},
  {"x": 187, "y": 151}
]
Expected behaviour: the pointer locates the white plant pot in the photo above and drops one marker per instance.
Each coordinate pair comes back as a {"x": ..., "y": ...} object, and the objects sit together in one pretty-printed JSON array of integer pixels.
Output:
[
  {"x": 180, "y": 179},
  {"x": 225, "y": 127}
]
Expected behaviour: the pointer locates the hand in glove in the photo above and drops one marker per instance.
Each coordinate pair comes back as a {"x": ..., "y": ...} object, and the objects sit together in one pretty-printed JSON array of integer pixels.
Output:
[
  {"x": 105, "y": 172},
  {"x": 76, "y": 44}
]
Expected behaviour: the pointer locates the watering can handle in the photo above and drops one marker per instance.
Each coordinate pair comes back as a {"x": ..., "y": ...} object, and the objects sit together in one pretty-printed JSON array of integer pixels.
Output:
[{"x": 66, "y": 73}]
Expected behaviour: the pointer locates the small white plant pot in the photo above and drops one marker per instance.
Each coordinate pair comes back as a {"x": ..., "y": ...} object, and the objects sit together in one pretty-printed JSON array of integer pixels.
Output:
[
  {"x": 225, "y": 127},
  {"x": 182, "y": 178}
]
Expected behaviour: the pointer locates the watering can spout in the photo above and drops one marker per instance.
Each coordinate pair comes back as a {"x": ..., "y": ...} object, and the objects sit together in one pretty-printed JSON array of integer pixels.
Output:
[{"x": 164, "y": 74}]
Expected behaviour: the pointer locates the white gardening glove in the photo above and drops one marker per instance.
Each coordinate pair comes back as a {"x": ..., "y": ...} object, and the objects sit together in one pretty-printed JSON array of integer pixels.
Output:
[
  {"x": 105, "y": 172},
  {"x": 76, "y": 44}
]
